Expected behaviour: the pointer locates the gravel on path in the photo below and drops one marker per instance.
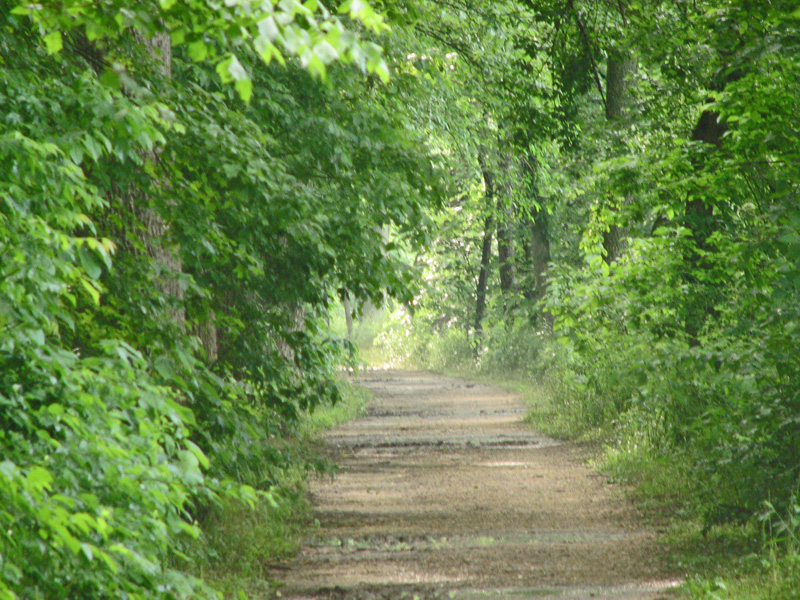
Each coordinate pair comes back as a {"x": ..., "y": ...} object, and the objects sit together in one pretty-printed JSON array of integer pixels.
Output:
[{"x": 444, "y": 493}]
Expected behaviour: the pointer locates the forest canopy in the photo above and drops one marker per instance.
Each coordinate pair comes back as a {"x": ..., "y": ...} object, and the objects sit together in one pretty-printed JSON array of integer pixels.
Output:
[{"x": 602, "y": 195}]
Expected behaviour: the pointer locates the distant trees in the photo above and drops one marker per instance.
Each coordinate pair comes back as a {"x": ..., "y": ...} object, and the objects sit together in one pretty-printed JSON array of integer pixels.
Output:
[{"x": 635, "y": 185}]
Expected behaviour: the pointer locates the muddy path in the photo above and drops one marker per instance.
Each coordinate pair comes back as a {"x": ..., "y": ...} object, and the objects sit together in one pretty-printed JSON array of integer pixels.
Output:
[{"x": 444, "y": 493}]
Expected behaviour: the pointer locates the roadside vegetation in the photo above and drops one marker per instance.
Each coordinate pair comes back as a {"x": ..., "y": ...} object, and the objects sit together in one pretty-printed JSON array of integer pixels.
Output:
[
  {"x": 205, "y": 205},
  {"x": 243, "y": 545}
]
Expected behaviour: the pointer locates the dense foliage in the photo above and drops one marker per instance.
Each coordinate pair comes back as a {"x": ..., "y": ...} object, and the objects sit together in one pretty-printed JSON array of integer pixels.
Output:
[
  {"x": 627, "y": 231},
  {"x": 178, "y": 212},
  {"x": 602, "y": 195}
]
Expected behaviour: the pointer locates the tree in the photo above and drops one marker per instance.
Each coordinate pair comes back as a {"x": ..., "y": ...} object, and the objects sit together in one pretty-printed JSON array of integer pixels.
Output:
[{"x": 145, "y": 201}]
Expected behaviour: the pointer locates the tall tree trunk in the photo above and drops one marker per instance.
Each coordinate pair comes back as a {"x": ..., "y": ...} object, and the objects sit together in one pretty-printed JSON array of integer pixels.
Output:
[
  {"x": 166, "y": 256},
  {"x": 209, "y": 339},
  {"x": 700, "y": 220},
  {"x": 537, "y": 248},
  {"x": 297, "y": 316},
  {"x": 505, "y": 252},
  {"x": 348, "y": 315},
  {"x": 619, "y": 69},
  {"x": 505, "y": 239},
  {"x": 539, "y": 252},
  {"x": 486, "y": 250}
]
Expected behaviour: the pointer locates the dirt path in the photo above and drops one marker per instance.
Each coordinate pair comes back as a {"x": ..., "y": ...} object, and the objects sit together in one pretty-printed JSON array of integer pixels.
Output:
[{"x": 445, "y": 493}]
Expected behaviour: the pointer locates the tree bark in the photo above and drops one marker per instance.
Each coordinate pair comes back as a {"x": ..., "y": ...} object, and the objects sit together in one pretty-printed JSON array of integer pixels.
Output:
[
  {"x": 486, "y": 250},
  {"x": 619, "y": 69},
  {"x": 166, "y": 256},
  {"x": 348, "y": 315},
  {"x": 297, "y": 316},
  {"x": 506, "y": 226},
  {"x": 537, "y": 249},
  {"x": 209, "y": 339},
  {"x": 539, "y": 252},
  {"x": 505, "y": 236},
  {"x": 700, "y": 220},
  {"x": 505, "y": 252}
]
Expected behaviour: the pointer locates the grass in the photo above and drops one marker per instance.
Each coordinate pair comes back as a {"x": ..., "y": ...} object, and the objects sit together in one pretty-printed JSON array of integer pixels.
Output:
[
  {"x": 245, "y": 543},
  {"x": 242, "y": 545},
  {"x": 325, "y": 417},
  {"x": 770, "y": 578}
]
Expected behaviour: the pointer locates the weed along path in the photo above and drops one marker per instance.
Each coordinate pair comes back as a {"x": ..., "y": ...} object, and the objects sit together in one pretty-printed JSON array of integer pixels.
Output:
[{"x": 445, "y": 493}]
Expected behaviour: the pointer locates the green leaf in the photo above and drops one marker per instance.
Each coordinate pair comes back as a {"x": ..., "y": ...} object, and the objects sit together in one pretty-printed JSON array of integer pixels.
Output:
[
  {"x": 268, "y": 29},
  {"x": 56, "y": 410},
  {"x": 245, "y": 89},
  {"x": 223, "y": 70},
  {"x": 111, "y": 78},
  {"x": 87, "y": 551},
  {"x": 236, "y": 70},
  {"x": 195, "y": 449},
  {"x": 89, "y": 262},
  {"x": 37, "y": 336},
  {"x": 93, "y": 292},
  {"x": 189, "y": 462},
  {"x": 326, "y": 52},
  {"x": 198, "y": 51},
  {"x": 53, "y": 42},
  {"x": 39, "y": 478}
]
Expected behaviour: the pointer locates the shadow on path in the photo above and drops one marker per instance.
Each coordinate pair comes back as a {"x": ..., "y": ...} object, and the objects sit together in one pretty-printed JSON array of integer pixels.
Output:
[{"x": 445, "y": 493}]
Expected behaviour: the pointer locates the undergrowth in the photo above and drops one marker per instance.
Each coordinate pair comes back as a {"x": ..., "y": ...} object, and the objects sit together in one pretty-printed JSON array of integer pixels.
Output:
[{"x": 243, "y": 545}]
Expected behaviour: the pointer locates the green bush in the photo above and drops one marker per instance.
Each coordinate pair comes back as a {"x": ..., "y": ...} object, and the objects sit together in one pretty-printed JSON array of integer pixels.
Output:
[
  {"x": 98, "y": 472},
  {"x": 514, "y": 349},
  {"x": 451, "y": 349}
]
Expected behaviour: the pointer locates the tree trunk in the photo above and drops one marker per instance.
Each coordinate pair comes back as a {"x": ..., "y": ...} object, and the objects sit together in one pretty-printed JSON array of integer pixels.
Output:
[
  {"x": 620, "y": 68},
  {"x": 348, "y": 315},
  {"x": 486, "y": 251},
  {"x": 537, "y": 250},
  {"x": 505, "y": 231},
  {"x": 505, "y": 252},
  {"x": 167, "y": 257},
  {"x": 700, "y": 220},
  {"x": 209, "y": 339},
  {"x": 297, "y": 316}
]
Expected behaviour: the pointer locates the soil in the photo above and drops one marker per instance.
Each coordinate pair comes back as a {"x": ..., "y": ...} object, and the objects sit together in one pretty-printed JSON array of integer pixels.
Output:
[{"x": 444, "y": 492}]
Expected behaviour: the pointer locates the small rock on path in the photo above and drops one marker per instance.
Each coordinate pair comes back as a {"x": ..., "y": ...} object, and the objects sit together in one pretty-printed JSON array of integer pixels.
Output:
[{"x": 445, "y": 493}]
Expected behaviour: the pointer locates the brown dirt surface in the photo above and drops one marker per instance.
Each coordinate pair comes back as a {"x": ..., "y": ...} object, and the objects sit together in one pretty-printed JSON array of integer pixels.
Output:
[{"x": 445, "y": 493}]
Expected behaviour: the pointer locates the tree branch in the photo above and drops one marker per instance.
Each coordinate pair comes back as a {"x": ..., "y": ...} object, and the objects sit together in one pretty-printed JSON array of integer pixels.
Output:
[{"x": 587, "y": 41}]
